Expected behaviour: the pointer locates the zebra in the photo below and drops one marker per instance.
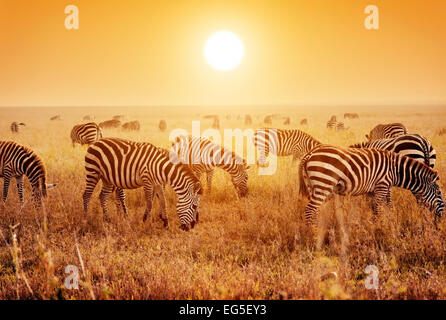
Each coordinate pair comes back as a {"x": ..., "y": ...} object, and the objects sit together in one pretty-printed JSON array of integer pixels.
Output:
[
  {"x": 110, "y": 124},
  {"x": 334, "y": 124},
  {"x": 162, "y": 125},
  {"x": 268, "y": 120},
  {"x": 304, "y": 122},
  {"x": 282, "y": 142},
  {"x": 15, "y": 126},
  {"x": 123, "y": 164},
  {"x": 86, "y": 133},
  {"x": 287, "y": 121},
  {"x": 17, "y": 161},
  {"x": 132, "y": 126},
  {"x": 411, "y": 145},
  {"x": 203, "y": 156},
  {"x": 351, "y": 116},
  {"x": 56, "y": 118},
  {"x": 328, "y": 170},
  {"x": 386, "y": 131},
  {"x": 248, "y": 120}
]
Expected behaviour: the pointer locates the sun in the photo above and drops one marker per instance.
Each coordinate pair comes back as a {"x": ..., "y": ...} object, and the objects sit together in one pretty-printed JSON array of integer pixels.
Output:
[{"x": 224, "y": 50}]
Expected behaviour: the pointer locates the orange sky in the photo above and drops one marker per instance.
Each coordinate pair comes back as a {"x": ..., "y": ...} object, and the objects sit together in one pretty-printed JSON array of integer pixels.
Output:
[{"x": 137, "y": 52}]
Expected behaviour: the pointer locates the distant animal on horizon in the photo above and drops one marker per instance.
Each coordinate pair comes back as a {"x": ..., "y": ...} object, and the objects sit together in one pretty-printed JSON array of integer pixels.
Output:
[
  {"x": 210, "y": 116},
  {"x": 17, "y": 161},
  {"x": 55, "y": 118},
  {"x": 216, "y": 123},
  {"x": 268, "y": 120},
  {"x": 203, "y": 156},
  {"x": 123, "y": 164},
  {"x": 351, "y": 116},
  {"x": 287, "y": 121},
  {"x": 334, "y": 124},
  {"x": 442, "y": 132},
  {"x": 162, "y": 125},
  {"x": 132, "y": 126},
  {"x": 386, "y": 131},
  {"x": 109, "y": 124},
  {"x": 328, "y": 170},
  {"x": 88, "y": 117},
  {"x": 86, "y": 133},
  {"x": 15, "y": 127},
  {"x": 282, "y": 142},
  {"x": 304, "y": 122},
  {"x": 248, "y": 120}
]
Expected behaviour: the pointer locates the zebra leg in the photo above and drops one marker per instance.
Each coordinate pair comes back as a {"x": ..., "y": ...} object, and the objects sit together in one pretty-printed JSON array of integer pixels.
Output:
[
  {"x": 388, "y": 198},
  {"x": 20, "y": 190},
  {"x": 6, "y": 182},
  {"x": 120, "y": 197},
  {"x": 316, "y": 200},
  {"x": 148, "y": 191},
  {"x": 379, "y": 197},
  {"x": 92, "y": 181},
  {"x": 37, "y": 196},
  {"x": 107, "y": 189},
  {"x": 160, "y": 193}
]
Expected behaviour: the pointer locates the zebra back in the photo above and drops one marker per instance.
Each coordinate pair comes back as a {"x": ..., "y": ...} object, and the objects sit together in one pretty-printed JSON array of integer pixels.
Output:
[{"x": 387, "y": 131}]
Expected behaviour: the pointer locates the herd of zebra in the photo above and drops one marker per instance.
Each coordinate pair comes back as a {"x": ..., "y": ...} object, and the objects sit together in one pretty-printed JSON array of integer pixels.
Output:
[{"x": 391, "y": 157}]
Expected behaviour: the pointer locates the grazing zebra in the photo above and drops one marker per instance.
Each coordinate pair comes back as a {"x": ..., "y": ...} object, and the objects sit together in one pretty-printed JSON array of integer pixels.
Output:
[
  {"x": 123, "y": 164},
  {"x": 334, "y": 124},
  {"x": 17, "y": 161},
  {"x": 351, "y": 116},
  {"x": 132, "y": 126},
  {"x": 203, "y": 156},
  {"x": 110, "y": 124},
  {"x": 328, "y": 170},
  {"x": 386, "y": 131},
  {"x": 162, "y": 125},
  {"x": 85, "y": 133},
  {"x": 15, "y": 126},
  {"x": 282, "y": 142},
  {"x": 411, "y": 145}
]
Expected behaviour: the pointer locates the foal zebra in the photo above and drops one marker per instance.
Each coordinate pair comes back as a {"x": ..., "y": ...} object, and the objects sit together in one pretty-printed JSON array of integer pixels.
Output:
[
  {"x": 411, "y": 145},
  {"x": 202, "y": 155},
  {"x": 85, "y": 133},
  {"x": 282, "y": 142},
  {"x": 123, "y": 164},
  {"x": 15, "y": 126},
  {"x": 386, "y": 131},
  {"x": 328, "y": 170},
  {"x": 17, "y": 161}
]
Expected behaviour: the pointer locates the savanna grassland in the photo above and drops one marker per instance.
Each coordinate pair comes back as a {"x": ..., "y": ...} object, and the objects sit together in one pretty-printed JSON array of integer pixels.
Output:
[{"x": 253, "y": 248}]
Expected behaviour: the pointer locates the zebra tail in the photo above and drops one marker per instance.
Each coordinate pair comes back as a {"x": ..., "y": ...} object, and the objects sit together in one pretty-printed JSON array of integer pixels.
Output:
[{"x": 303, "y": 189}]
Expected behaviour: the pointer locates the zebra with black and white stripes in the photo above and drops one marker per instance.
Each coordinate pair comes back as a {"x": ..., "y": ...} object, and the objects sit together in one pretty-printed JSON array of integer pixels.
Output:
[
  {"x": 386, "y": 131},
  {"x": 17, "y": 161},
  {"x": 123, "y": 164},
  {"x": 281, "y": 142},
  {"x": 411, "y": 145},
  {"x": 203, "y": 156},
  {"x": 86, "y": 133},
  {"x": 329, "y": 170},
  {"x": 15, "y": 126},
  {"x": 334, "y": 124}
]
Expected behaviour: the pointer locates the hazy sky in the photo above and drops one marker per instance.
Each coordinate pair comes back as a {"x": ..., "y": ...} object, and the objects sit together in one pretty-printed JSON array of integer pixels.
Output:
[{"x": 137, "y": 52}]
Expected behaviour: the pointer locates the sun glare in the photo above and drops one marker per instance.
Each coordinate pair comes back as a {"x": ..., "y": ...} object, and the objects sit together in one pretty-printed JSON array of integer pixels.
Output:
[{"x": 224, "y": 50}]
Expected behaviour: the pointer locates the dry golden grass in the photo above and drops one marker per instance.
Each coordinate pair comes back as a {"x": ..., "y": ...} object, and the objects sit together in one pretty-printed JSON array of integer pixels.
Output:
[{"x": 255, "y": 248}]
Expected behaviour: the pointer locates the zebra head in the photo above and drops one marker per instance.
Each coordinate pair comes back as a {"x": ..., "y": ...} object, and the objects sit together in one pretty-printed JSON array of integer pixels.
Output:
[
  {"x": 187, "y": 206},
  {"x": 431, "y": 195}
]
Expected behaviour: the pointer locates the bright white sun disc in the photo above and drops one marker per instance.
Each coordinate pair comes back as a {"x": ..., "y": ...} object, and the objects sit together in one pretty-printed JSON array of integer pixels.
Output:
[{"x": 224, "y": 50}]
